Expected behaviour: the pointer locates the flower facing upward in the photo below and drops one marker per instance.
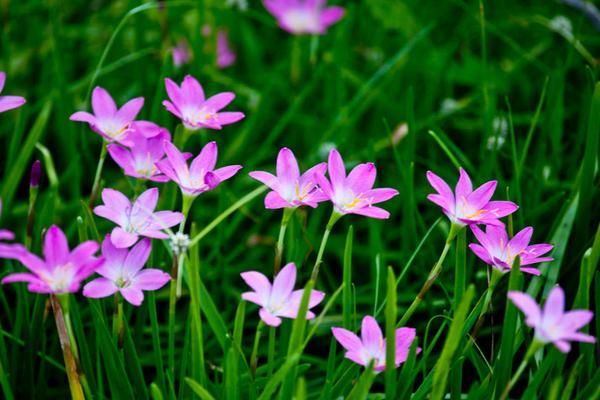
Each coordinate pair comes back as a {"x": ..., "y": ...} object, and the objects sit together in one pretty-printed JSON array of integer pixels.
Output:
[
  {"x": 371, "y": 346},
  {"x": 304, "y": 16},
  {"x": 279, "y": 299},
  {"x": 467, "y": 206},
  {"x": 290, "y": 189},
  {"x": 496, "y": 250},
  {"x": 354, "y": 194},
  {"x": 135, "y": 220},
  {"x": 552, "y": 323},
  {"x": 122, "y": 271},
  {"x": 9, "y": 102},
  {"x": 189, "y": 104},
  {"x": 140, "y": 160},
  {"x": 61, "y": 270},
  {"x": 201, "y": 176},
  {"x": 111, "y": 123}
]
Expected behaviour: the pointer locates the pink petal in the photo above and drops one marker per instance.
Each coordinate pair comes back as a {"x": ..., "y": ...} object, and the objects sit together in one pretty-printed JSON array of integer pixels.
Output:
[
  {"x": 441, "y": 201},
  {"x": 337, "y": 171},
  {"x": 283, "y": 284},
  {"x": 178, "y": 163},
  {"x": 133, "y": 295},
  {"x": 137, "y": 257},
  {"x": 372, "y": 212},
  {"x": 84, "y": 252},
  {"x": 20, "y": 277},
  {"x": 174, "y": 94},
  {"x": 115, "y": 200},
  {"x": 481, "y": 196},
  {"x": 225, "y": 173},
  {"x": 371, "y": 335},
  {"x": 145, "y": 203},
  {"x": 219, "y": 101},
  {"x": 102, "y": 103},
  {"x": 520, "y": 241},
  {"x": 404, "y": 339},
  {"x": 274, "y": 201},
  {"x": 288, "y": 172},
  {"x": 122, "y": 239},
  {"x": 562, "y": 345},
  {"x": 464, "y": 186},
  {"x": 121, "y": 156},
  {"x": 165, "y": 219},
  {"x": 172, "y": 109},
  {"x": 252, "y": 297},
  {"x": 555, "y": 306},
  {"x": 191, "y": 90},
  {"x": 56, "y": 247},
  {"x": 532, "y": 271},
  {"x": 166, "y": 168},
  {"x": 361, "y": 178},
  {"x": 111, "y": 214},
  {"x": 83, "y": 116},
  {"x": 100, "y": 287},
  {"x": 206, "y": 160},
  {"x": 441, "y": 187},
  {"x": 130, "y": 110},
  {"x": 10, "y": 102},
  {"x": 259, "y": 283},
  {"x": 573, "y": 320},
  {"x": 499, "y": 209},
  {"x": 481, "y": 252},
  {"x": 347, "y": 339},
  {"x": 226, "y": 118},
  {"x": 528, "y": 306},
  {"x": 378, "y": 195},
  {"x": 268, "y": 318},
  {"x": 151, "y": 279},
  {"x": 331, "y": 15},
  {"x": 264, "y": 177},
  {"x": 356, "y": 357},
  {"x": 2, "y": 80},
  {"x": 325, "y": 186},
  {"x": 6, "y": 235}
]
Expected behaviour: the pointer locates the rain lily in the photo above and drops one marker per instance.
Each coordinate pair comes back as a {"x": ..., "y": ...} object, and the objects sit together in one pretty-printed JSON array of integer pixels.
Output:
[
  {"x": 467, "y": 206},
  {"x": 113, "y": 124},
  {"x": 290, "y": 189},
  {"x": 279, "y": 299},
  {"x": 371, "y": 346},
  {"x": 552, "y": 323},
  {"x": 225, "y": 55},
  {"x": 195, "y": 111},
  {"x": 500, "y": 252},
  {"x": 354, "y": 194},
  {"x": 304, "y": 16},
  {"x": 201, "y": 176},
  {"x": 135, "y": 220},
  {"x": 9, "y": 102},
  {"x": 61, "y": 270},
  {"x": 140, "y": 160},
  {"x": 122, "y": 271}
]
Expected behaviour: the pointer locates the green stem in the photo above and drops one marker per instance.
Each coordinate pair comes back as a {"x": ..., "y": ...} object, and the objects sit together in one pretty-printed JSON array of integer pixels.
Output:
[
  {"x": 172, "y": 301},
  {"x": 460, "y": 278},
  {"x": 285, "y": 219},
  {"x": 533, "y": 348},
  {"x": 182, "y": 134},
  {"x": 271, "y": 353},
  {"x": 254, "y": 356},
  {"x": 185, "y": 210},
  {"x": 433, "y": 274},
  {"x": 33, "y": 191},
  {"x": 496, "y": 276},
  {"x": 118, "y": 329},
  {"x": 96, "y": 184},
  {"x": 335, "y": 216}
]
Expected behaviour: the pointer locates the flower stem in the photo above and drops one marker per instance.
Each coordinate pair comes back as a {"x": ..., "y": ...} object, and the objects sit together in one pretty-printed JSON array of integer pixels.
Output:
[
  {"x": 254, "y": 356},
  {"x": 172, "y": 301},
  {"x": 271, "y": 354},
  {"x": 185, "y": 210},
  {"x": 461, "y": 267},
  {"x": 335, "y": 216},
  {"x": 496, "y": 275},
  {"x": 96, "y": 185},
  {"x": 285, "y": 219},
  {"x": 118, "y": 328},
  {"x": 433, "y": 274},
  {"x": 533, "y": 348}
]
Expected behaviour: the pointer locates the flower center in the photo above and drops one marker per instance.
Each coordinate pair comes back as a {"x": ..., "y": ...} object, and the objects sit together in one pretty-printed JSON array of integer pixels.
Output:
[{"x": 302, "y": 20}]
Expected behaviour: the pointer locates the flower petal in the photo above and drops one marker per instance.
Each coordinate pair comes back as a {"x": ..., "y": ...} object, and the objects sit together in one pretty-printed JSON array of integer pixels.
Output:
[
  {"x": 133, "y": 295},
  {"x": 528, "y": 306},
  {"x": 151, "y": 279},
  {"x": 347, "y": 339},
  {"x": 288, "y": 172},
  {"x": 100, "y": 287},
  {"x": 283, "y": 285},
  {"x": 122, "y": 239},
  {"x": 337, "y": 170},
  {"x": 103, "y": 104},
  {"x": 56, "y": 247}
]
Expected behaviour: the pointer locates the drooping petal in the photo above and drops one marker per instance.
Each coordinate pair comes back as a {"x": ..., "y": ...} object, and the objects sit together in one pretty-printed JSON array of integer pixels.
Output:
[
  {"x": 268, "y": 318},
  {"x": 99, "y": 287}
]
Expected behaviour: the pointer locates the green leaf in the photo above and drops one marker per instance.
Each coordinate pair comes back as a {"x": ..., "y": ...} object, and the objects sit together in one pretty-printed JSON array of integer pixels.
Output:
[
  {"x": 390, "y": 335},
  {"x": 198, "y": 389}
]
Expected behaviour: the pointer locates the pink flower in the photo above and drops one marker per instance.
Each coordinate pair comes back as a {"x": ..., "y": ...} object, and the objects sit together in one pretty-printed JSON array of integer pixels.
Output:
[
  {"x": 189, "y": 104},
  {"x": 467, "y": 206},
  {"x": 304, "y": 16},
  {"x": 354, "y": 194},
  {"x": 201, "y": 176},
  {"x": 181, "y": 53},
  {"x": 499, "y": 252},
  {"x": 552, "y": 323},
  {"x": 278, "y": 300},
  {"x": 371, "y": 346},
  {"x": 225, "y": 55},
  {"x": 140, "y": 160},
  {"x": 9, "y": 250},
  {"x": 290, "y": 189},
  {"x": 61, "y": 270},
  {"x": 122, "y": 271},
  {"x": 135, "y": 220},
  {"x": 111, "y": 123},
  {"x": 9, "y": 102}
]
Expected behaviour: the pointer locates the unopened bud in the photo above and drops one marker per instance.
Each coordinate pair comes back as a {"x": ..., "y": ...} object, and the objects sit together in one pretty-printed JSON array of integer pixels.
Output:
[{"x": 36, "y": 172}]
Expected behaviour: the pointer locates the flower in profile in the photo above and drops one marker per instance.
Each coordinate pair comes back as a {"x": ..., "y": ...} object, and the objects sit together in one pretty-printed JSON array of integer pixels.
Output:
[
  {"x": 304, "y": 16},
  {"x": 9, "y": 102},
  {"x": 371, "y": 346},
  {"x": 122, "y": 272},
  {"x": 181, "y": 53},
  {"x": 354, "y": 194},
  {"x": 61, "y": 270},
  {"x": 113, "y": 124},
  {"x": 467, "y": 206},
  {"x": 195, "y": 111},
  {"x": 280, "y": 299},
  {"x": 497, "y": 250},
  {"x": 201, "y": 176},
  {"x": 140, "y": 159},
  {"x": 225, "y": 55},
  {"x": 552, "y": 324},
  {"x": 135, "y": 220},
  {"x": 289, "y": 188}
]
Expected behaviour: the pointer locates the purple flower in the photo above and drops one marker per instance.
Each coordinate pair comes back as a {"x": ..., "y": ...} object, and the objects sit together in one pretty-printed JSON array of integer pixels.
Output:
[
  {"x": 552, "y": 323},
  {"x": 354, "y": 194},
  {"x": 304, "y": 16},
  {"x": 467, "y": 206},
  {"x": 189, "y": 104},
  {"x": 140, "y": 160},
  {"x": 36, "y": 173},
  {"x": 61, "y": 270},
  {"x": 122, "y": 271},
  {"x": 9, "y": 102},
  {"x": 371, "y": 346},
  {"x": 499, "y": 252},
  {"x": 135, "y": 220},
  {"x": 225, "y": 55},
  {"x": 201, "y": 176},
  {"x": 290, "y": 189},
  {"x": 279, "y": 299},
  {"x": 111, "y": 123}
]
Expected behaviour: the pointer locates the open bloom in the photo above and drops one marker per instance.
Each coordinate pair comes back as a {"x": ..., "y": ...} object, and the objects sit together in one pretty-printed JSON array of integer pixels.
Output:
[
  {"x": 467, "y": 206},
  {"x": 135, "y": 220},
  {"x": 499, "y": 252},
  {"x": 279, "y": 299},
  {"x": 552, "y": 323},
  {"x": 9, "y": 102},
  {"x": 111, "y": 123},
  {"x": 61, "y": 270},
  {"x": 354, "y": 194},
  {"x": 122, "y": 271},
  {"x": 195, "y": 111},
  {"x": 201, "y": 176},
  {"x": 304, "y": 16},
  {"x": 140, "y": 159},
  {"x": 371, "y": 346},
  {"x": 290, "y": 189}
]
